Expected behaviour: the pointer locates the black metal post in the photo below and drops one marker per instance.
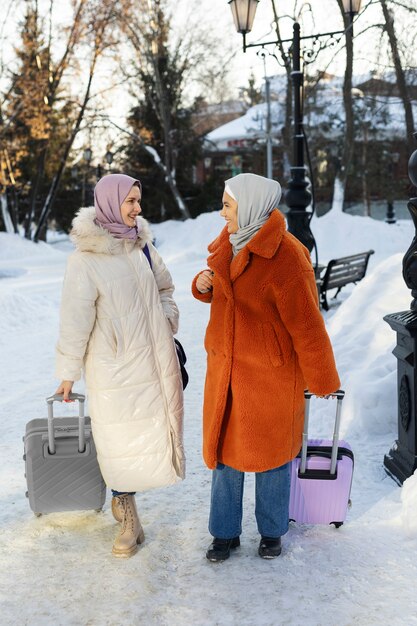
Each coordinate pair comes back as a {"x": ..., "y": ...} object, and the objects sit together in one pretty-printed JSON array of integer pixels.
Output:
[
  {"x": 390, "y": 219},
  {"x": 297, "y": 197},
  {"x": 401, "y": 461}
]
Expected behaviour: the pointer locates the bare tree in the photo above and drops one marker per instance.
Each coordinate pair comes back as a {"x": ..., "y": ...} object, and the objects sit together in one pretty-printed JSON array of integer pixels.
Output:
[
  {"x": 7, "y": 181},
  {"x": 96, "y": 26},
  {"x": 147, "y": 27},
  {"x": 51, "y": 94},
  {"x": 399, "y": 72},
  {"x": 286, "y": 130},
  {"x": 349, "y": 130},
  {"x": 35, "y": 103}
]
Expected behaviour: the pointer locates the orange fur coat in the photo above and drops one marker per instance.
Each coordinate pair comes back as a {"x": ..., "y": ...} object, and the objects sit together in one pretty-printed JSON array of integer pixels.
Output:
[{"x": 266, "y": 342}]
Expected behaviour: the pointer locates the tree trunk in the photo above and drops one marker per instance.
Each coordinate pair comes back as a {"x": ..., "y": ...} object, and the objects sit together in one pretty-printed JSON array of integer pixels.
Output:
[
  {"x": 286, "y": 131},
  {"x": 182, "y": 207},
  {"x": 169, "y": 148},
  {"x": 50, "y": 199},
  {"x": 349, "y": 135},
  {"x": 13, "y": 206},
  {"x": 10, "y": 194},
  {"x": 30, "y": 217},
  {"x": 7, "y": 220},
  {"x": 338, "y": 194},
  {"x": 400, "y": 75},
  {"x": 364, "y": 173}
]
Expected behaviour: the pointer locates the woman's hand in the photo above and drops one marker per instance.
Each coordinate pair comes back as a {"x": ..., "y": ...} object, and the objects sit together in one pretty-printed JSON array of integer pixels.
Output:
[
  {"x": 65, "y": 388},
  {"x": 204, "y": 282}
]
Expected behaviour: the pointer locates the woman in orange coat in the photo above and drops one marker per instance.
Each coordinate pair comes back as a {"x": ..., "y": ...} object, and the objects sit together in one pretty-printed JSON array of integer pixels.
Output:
[{"x": 266, "y": 342}]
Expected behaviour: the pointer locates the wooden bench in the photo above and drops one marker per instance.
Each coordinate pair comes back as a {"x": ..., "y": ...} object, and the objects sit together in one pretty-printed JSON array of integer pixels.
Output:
[{"x": 341, "y": 272}]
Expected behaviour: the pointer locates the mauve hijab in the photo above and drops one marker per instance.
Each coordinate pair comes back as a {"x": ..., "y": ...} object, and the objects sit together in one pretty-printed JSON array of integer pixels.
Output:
[
  {"x": 109, "y": 194},
  {"x": 256, "y": 197}
]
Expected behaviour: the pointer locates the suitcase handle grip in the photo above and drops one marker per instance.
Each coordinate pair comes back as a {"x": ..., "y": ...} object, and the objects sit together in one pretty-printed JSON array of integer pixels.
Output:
[
  {"x": 59, "y": 397},
  {"x": 336, "y": 394},
  {"x": 339, "y": 394}
]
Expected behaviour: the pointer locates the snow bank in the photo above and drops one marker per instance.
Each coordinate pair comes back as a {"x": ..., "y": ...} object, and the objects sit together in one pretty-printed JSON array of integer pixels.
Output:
[
  {"x": 363, "y": 345},
  {"x": 339, "y": 234},
  {"x": 180, "y": 242},
  {"x": 58, "y": 569},
  {"x": 409, "y": 506},
  {"x": 14, "y": 247}
]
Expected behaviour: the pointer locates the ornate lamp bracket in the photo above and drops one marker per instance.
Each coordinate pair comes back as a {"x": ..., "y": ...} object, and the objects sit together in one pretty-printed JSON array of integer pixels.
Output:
[{"x": 319, "y": 43}]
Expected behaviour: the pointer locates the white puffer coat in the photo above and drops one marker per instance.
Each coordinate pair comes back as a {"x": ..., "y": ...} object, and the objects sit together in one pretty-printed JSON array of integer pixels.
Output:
[{"x": 117, "y": 322}]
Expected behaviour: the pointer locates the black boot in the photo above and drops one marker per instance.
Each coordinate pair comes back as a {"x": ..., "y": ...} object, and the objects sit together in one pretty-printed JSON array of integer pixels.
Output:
[
  {"x": 219, "y": 550},
  {"x": 269, "y": 547}
]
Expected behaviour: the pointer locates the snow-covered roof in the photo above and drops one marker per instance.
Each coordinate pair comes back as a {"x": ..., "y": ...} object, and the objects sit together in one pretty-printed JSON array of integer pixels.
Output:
[
  {"x": 324, "y": 112},
  {"x": 247, "y": 128}
]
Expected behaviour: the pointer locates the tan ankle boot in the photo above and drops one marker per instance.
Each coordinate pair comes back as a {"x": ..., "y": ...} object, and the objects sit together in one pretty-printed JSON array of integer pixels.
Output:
[
  {"x": 131, "y": 533},
  {"x": 117, "y": 509}
]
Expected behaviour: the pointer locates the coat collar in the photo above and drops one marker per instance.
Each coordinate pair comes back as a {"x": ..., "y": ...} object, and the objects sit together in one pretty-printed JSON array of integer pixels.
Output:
[
  {"x": 88, "y": 236},
  {"x": 265, "y": 244},
  {"x": 267, "y": 240}
]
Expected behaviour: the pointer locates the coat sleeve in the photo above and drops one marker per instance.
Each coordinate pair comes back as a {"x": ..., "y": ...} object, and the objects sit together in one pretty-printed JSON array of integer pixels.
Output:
[
  {"x": 203, "y": 297},
  {"x": 177, "y": 427},
  {"x": 165, "y": 287},
  {"x": 77, "y": 318},
  {"x": 300, "y": 313}
]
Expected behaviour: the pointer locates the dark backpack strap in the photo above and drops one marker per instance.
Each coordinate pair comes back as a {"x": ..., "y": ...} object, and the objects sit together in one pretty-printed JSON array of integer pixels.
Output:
[
  {"x": 147, "y": 254},
  {"x": 182, "y": 361}
]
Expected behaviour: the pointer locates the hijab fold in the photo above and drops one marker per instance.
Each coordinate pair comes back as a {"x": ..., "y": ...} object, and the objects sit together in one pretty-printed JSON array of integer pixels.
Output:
[
  {"x": 109, "y": 194},
  {"x": 256, "y": 197}
]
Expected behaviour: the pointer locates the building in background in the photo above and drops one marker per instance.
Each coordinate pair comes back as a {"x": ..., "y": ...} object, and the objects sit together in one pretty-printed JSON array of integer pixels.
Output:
[{"x": 379, "y": 166}]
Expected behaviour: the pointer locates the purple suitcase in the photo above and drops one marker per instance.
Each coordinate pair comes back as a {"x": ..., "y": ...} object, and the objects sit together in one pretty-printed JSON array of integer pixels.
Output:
[{"x": 321, "y": 476}]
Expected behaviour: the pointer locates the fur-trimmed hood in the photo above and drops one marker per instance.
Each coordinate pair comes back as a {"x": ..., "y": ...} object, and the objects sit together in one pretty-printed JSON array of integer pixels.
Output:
[{"x": 87, "y": 236}]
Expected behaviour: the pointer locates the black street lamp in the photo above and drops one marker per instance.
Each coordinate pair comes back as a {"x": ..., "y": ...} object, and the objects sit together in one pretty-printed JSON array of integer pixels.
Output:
[
  {"x": 297, "y": 197},
  {"x": 401, "y": 461},
  {"x": 109, "y": 159}
]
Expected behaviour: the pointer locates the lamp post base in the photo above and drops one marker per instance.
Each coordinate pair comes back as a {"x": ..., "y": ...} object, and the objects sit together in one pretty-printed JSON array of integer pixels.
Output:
[{"x": 399, "y": 463}]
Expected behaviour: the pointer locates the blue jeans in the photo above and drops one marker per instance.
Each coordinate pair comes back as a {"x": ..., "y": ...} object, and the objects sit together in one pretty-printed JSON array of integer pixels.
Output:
[
  {"x": 272, "y": 495},
  {"x": 122, "y": 493}
]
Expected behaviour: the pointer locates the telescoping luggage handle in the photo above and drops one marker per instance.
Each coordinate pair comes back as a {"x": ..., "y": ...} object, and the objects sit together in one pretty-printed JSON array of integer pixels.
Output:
[
  {"x": 81, "y": 420},
  {"x": 339, "y": 394}
]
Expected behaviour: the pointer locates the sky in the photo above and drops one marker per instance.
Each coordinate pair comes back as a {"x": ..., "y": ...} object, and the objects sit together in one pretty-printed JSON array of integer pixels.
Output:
[
  {"x": 214, "y": 17},
  {"x": 58, "y": 570},
  {"x": 324, "y": 17}
]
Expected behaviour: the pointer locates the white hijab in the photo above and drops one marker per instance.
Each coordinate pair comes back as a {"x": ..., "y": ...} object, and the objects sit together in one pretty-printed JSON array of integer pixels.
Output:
[{"x": 256, "y": 197}]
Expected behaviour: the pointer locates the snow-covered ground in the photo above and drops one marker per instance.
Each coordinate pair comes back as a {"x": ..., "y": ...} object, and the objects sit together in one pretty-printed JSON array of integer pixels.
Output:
[{"x": 57, "y": 569}]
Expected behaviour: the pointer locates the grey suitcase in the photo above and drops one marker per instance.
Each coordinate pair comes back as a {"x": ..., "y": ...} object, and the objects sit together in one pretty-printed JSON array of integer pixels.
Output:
[{"x": 61, "y": 467}]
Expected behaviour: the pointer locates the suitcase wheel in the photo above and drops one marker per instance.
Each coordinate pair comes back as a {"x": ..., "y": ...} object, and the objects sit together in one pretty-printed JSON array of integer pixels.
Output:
[
  {"x": 100, "y": 510},
  {"x": 337, "y": 524},
  {"x": 37, "y": 514}
]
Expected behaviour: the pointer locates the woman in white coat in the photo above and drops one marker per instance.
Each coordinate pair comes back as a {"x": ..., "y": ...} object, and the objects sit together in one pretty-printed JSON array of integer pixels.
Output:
[{"x": 117, "y": 323}]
